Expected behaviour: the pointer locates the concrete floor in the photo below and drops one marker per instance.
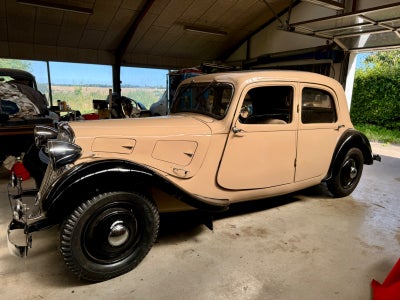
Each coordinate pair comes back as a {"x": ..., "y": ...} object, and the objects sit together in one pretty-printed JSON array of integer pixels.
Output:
[{"x": 303, "y": 246}]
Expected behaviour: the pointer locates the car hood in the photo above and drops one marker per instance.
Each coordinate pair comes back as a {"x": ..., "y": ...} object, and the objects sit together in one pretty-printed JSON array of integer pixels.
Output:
[
  {"x": 140, "y": 127},
  {"x": 176, "y": 145}
]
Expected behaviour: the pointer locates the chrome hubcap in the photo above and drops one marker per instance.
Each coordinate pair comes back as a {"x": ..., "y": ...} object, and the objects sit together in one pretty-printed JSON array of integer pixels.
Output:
[
  {"x": 119, "y": 234},
  {"x": 353, "y": 172}
]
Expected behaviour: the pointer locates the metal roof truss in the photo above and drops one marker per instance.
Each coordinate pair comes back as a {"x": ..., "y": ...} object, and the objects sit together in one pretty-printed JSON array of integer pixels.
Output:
[{"x": 367, "y": 30}]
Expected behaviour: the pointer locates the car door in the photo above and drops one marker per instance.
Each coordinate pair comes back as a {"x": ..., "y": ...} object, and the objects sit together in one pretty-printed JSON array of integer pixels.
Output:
[
  {"x": 261, "y": 148},
  {"x": 319, "y": 131}
]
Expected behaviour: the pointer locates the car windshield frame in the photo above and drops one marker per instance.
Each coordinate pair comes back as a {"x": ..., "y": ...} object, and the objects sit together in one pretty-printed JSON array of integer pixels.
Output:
[{"x": 212, "y": 99}]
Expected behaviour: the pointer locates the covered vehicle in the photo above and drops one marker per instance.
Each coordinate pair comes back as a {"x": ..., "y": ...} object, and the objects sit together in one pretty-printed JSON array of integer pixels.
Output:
[
  {"x": 229, "y": 137},
  {"x": 19, "y": 94},
  {"x": 22, "y": 106}
]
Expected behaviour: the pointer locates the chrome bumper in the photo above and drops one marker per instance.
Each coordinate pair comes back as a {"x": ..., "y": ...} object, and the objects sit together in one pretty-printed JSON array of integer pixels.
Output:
[{"x": 19, "y": 237}]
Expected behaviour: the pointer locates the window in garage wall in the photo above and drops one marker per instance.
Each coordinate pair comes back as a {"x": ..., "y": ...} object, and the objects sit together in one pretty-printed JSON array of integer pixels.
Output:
[
  {"x": 143, "y": 84},
  {"x": 78, "y": 84},
  {"x": 37, "y": 68}
]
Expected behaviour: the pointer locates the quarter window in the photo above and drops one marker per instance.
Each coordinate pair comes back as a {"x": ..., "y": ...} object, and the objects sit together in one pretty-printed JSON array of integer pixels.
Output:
[{"x": 318, "y": 106}]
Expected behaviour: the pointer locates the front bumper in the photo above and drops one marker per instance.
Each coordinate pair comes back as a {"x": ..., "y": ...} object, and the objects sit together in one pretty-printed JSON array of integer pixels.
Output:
[{"x": 24, "y": 214}]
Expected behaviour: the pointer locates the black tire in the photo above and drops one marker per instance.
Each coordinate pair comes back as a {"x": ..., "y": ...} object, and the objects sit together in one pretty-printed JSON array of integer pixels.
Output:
[
  {"x": 347, "y": 174},
  {"x": 109, "y": 235}
]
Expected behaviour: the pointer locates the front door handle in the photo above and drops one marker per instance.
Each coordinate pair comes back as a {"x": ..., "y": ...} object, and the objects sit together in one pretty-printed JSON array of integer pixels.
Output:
[{"x": 236, "y": 130}]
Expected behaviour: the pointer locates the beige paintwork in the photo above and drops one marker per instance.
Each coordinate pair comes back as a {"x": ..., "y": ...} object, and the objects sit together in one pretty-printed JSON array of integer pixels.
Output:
[{"x": 226, "y": 159}]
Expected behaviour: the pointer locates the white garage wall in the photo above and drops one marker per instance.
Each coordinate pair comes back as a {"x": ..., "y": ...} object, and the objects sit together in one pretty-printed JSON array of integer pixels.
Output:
[{"x": 272, "y": 40}]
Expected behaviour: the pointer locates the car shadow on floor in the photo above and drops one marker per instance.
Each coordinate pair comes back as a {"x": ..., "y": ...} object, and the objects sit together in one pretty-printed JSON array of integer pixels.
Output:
[{"x": 181, "y": 226}]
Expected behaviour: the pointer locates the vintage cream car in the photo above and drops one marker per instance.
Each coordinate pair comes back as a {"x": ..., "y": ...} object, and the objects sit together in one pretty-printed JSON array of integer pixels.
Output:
[{"x": 229, "y": 137}]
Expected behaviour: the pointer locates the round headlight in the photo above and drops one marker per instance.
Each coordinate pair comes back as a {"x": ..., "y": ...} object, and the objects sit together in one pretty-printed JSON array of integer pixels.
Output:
[
  {"x": 62, "y": 153},
  {"x": 44, "y": 133}
]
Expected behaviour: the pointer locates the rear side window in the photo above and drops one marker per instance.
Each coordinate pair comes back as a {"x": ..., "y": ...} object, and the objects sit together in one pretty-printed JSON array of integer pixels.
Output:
[{"x": 318, "y": 106}]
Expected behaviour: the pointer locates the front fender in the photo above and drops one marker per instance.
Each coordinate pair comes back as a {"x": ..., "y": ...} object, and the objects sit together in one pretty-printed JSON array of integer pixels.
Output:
[
  {"x": 351, "y": 138},
  {"x": 87, "y": 180}
]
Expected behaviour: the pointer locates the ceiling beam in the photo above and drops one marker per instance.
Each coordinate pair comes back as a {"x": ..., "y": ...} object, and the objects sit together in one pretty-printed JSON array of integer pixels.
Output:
[
  {"x": 58, "y": 6},
  {"x": 124, "y": 43},
  {"x": 123, "y": 46},
  {"x": 328, "y": 4}
]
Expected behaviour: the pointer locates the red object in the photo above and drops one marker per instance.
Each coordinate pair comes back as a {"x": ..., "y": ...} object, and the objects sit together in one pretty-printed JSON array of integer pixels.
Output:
[
  {"x": 92, "y": 116},
  {"x": 20, "y": 171},
  {"x": 390, "y": 288}
]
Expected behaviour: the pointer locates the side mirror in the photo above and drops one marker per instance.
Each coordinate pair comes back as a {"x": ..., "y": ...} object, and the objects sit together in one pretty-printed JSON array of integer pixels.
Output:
[{"x": 245, "y": 112}]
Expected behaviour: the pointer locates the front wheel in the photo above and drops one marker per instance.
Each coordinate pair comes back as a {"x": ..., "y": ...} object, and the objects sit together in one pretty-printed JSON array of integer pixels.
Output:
[
  {"x": 109, "y": 235},
  {"x": 347, "y": 174}
]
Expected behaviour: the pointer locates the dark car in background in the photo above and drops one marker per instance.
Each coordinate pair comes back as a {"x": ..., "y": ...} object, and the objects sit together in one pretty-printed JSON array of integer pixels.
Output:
[{"x": 22, "y": 106}]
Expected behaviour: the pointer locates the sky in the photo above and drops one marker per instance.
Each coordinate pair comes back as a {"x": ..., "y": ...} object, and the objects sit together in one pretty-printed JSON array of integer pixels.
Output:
[
  {"x": 78, "y": 74},
  {"x": 360, "y": 58}
]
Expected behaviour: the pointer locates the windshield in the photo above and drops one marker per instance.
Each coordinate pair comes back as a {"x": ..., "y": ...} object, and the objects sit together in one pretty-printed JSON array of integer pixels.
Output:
[{"x": 209, "y": 98}]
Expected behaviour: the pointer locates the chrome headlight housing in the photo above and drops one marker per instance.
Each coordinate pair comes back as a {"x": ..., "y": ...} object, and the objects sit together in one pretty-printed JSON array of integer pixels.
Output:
[
  {"x": 44, "y": 133},
  {"x": 59, "y": 143},
  {"x": 65, "y": 132},
  {"x": 62, "y": 153}
]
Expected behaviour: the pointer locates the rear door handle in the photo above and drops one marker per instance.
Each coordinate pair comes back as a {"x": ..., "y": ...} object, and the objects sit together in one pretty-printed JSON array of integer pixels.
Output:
[{"x": 339, "y": 126}]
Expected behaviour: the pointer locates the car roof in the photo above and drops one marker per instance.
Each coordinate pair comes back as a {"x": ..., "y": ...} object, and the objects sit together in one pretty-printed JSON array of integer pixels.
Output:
[
  {"x": 239, "y": 77},
  {"x": 15, "y": 72}
]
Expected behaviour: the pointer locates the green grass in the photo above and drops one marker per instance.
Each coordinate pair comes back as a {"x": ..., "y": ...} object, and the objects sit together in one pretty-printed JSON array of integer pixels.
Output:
[{"x": 379, "y": 134}]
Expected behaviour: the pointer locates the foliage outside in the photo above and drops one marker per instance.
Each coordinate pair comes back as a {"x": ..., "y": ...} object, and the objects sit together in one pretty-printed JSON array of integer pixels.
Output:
[
  {"x": 15, "y": 64},
  {"x": 375, "y": 104},
  {"x": 380, "y": 134}
]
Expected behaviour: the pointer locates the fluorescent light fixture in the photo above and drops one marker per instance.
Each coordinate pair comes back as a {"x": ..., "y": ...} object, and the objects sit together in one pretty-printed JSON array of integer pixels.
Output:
[
  {"x": 58, "y": 6},
  {"x": 205, "y": 30},
  {"x": 327, "y": 3}
]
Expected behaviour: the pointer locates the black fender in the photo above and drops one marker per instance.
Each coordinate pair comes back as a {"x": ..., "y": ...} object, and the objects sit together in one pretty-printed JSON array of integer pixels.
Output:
[
  {"x": 351, "y": 138},
  {"x": 86, "y": 180}
]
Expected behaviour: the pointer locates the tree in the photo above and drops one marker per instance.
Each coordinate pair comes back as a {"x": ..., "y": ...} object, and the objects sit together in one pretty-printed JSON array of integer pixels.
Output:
[
  {"x": 376, "y": 94},
  {"x": 384, "y": 59},
  {"x": 15, "y": 64},
  {"x": 384, "y": 62}
]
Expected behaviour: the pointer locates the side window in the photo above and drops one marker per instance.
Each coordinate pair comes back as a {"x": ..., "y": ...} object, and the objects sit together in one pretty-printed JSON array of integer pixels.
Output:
[
  {"x": 318, "y": 106},
  {"x": 268, "y": 105}
]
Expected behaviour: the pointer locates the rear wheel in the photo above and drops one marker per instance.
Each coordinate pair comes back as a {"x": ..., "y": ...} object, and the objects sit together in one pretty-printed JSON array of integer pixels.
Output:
[
  {"x": 109, "y": 235},
  {"x": 347, "y": 174}
]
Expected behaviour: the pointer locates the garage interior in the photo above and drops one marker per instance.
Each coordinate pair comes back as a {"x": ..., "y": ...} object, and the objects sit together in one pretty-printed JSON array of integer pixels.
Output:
[{"x": 305, "y": 245}]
